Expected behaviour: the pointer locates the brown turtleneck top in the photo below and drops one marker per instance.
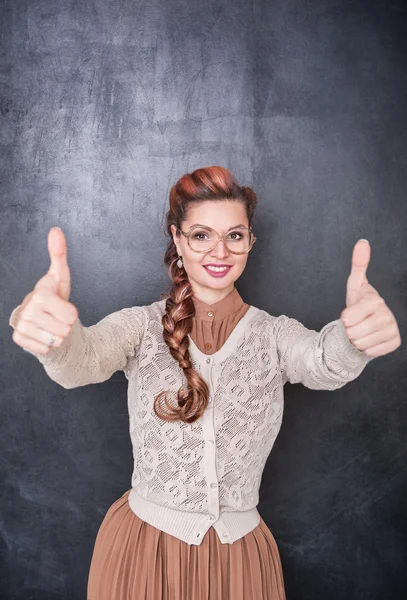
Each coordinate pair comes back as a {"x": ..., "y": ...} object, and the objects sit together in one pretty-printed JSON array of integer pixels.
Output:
[{"x": 213, "y": 323}]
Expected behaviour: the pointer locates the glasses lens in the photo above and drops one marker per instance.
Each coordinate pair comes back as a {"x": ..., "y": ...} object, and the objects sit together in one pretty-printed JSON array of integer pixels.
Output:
[{"x": 204, "y": 238}]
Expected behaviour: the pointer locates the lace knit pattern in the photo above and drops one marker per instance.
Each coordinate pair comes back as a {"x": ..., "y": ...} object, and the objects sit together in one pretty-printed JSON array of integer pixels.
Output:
[{"x": 247, "y": 387}]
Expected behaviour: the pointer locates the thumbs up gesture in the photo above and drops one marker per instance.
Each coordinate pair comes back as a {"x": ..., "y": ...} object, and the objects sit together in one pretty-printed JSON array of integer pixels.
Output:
[
  {"x": 369, "y": 323},
  {"x": 46, "y": 316}
]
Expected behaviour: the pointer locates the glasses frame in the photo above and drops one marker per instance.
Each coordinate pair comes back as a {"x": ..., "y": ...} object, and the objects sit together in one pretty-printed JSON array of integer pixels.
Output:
[{"x": 188, "y": 233}]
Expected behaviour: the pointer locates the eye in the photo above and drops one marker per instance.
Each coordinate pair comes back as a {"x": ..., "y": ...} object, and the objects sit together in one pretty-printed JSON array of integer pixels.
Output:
[{"x": 236, "y": 233}]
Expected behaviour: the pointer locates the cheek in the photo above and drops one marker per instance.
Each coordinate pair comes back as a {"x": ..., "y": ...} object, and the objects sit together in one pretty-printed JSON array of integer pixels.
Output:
[
  {"x": 193, "y": 260},
  {"x": 241, "y": 262}
]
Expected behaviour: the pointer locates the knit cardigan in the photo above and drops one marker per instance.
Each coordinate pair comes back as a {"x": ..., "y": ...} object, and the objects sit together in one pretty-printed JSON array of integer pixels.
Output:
[{"x": 188, "y": 477}]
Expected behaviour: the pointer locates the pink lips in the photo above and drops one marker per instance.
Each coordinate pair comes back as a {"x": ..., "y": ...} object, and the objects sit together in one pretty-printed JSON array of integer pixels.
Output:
[{"x": 220, "y": 273}]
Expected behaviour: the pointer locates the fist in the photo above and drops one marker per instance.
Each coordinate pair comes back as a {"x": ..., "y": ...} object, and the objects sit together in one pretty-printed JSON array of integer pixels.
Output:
[
  {"x": 369, "y": 323},
  {"x": 46, "y": 316}
]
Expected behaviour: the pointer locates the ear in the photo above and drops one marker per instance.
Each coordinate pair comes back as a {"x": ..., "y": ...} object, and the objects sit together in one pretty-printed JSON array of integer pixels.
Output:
[{"x": 175, "y": 238}]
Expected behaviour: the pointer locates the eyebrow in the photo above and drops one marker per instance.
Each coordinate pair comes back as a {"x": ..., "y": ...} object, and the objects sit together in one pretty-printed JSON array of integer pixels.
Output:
[{"x": 207, "y": 226}]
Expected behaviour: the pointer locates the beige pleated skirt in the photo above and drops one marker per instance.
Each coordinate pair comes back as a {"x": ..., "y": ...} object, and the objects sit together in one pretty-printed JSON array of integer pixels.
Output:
[{"x": 132, "y": 560}]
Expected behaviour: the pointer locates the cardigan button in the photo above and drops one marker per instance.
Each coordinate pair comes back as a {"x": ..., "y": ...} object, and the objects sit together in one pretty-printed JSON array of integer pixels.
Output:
[
  {"x": 208, "y": 360},
  {"x": 210, "y": 314}
]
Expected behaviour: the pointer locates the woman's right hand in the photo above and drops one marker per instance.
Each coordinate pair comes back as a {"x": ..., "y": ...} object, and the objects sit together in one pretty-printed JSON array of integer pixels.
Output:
[{"x": 46, "y": 309}]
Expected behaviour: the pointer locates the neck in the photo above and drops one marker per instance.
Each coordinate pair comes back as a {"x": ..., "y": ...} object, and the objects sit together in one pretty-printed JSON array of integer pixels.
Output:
[{"x": 211, "y": 296}]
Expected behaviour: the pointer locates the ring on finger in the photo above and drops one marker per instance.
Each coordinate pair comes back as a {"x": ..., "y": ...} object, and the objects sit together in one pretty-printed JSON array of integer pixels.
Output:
[{"x": 51, "y": 340}]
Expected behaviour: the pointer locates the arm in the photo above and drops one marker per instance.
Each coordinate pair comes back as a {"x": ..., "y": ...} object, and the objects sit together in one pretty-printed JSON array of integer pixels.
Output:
[
  {"x": 324, "y": 360},
  {"x": 92, "y": 354}
]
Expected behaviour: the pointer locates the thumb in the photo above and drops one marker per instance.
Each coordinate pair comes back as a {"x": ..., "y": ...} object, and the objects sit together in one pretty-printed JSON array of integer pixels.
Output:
[
  {"x": 357, "y": 278},
  {"x": 59, "y": 268}
]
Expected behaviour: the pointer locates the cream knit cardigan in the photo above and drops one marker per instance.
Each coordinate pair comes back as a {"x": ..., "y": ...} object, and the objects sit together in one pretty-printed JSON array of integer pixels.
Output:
[{"x": 189, "y": 477}]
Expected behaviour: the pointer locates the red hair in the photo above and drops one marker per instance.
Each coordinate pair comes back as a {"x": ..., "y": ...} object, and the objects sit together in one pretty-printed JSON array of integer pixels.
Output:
[{"x": 209, "y": 183}]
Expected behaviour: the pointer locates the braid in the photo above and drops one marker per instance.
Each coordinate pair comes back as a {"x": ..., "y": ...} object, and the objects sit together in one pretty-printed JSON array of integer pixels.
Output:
[{"x": 177, "y": 324}]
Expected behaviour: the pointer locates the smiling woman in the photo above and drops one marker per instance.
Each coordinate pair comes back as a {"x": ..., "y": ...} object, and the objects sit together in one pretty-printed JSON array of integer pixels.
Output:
[{"x": 150, "y": 552}]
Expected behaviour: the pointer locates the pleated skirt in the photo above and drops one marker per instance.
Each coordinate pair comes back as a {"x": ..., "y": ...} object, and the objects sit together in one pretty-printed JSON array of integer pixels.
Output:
[{"x": 132, "y": 560}]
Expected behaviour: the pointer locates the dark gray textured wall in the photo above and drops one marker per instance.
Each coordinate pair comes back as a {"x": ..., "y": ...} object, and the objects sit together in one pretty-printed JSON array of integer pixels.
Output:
[{"x": 104, "y": 105}]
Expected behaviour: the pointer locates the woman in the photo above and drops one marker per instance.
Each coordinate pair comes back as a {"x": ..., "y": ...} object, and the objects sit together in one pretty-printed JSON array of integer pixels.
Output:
[{"x": 206, "y": 373}]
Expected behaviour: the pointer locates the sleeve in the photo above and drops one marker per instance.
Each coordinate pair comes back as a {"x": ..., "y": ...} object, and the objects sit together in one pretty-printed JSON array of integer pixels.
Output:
[
  {"x": 324, "y": 360},
  {"x": 92, "y": 354}
]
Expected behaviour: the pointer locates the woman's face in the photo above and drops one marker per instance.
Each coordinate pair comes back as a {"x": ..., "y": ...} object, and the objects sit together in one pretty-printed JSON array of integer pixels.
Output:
[{"x": 221, "y": 216}]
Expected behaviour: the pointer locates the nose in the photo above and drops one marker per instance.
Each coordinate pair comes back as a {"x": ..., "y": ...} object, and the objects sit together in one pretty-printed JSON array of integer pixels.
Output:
[{"x": 220, "y": 250}]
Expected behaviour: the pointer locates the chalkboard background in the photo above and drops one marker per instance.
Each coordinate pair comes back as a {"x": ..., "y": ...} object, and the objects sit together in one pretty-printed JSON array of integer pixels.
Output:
[{"x": 104, "y": 105}]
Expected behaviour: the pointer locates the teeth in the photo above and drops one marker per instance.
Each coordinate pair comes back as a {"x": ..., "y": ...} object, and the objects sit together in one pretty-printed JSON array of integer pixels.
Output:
[{"x": 217, "y": 269}]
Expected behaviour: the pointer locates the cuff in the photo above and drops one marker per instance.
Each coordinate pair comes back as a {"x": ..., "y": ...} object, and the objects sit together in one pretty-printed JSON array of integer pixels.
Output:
[{"x": 347, "y": 353}]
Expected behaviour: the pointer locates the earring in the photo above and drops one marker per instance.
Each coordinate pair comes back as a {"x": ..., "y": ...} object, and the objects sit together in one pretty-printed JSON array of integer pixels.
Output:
[{"x": 180, "y": 264}]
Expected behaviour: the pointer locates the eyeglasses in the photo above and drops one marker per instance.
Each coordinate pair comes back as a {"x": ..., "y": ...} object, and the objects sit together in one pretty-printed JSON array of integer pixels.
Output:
[{"x": 203, "y": 239}]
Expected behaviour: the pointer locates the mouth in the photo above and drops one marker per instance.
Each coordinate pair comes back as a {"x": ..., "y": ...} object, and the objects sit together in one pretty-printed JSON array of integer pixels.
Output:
[{"x": 218, "y": 270}]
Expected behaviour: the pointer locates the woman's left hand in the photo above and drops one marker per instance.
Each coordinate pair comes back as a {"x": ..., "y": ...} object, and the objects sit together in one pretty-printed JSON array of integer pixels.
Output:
[{"x": 369, "y": 323}]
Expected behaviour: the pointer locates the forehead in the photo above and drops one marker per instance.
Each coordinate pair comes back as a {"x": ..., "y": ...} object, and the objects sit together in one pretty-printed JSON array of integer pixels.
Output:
[{"x": 218, "y": 214}]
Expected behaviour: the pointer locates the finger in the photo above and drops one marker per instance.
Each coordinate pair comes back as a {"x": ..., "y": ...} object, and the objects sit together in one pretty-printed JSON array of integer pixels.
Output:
[
  {"x": 370, "y": 340},
  {"x": 382, "y": 349},
  {"x": 36, "y": 344},
  {"x": 360, "y": 263},
  {"x": 42, "y": 320},
  {"x": 59, "y": 267},
  {"x": 370, "y": 324},
  {"x": 368, "y": 305},
  {"x": 60, "y": 309}
]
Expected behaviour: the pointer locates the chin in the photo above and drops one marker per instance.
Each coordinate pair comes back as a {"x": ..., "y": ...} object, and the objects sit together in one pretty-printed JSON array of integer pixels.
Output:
[{"x": 217, "y": 284}]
